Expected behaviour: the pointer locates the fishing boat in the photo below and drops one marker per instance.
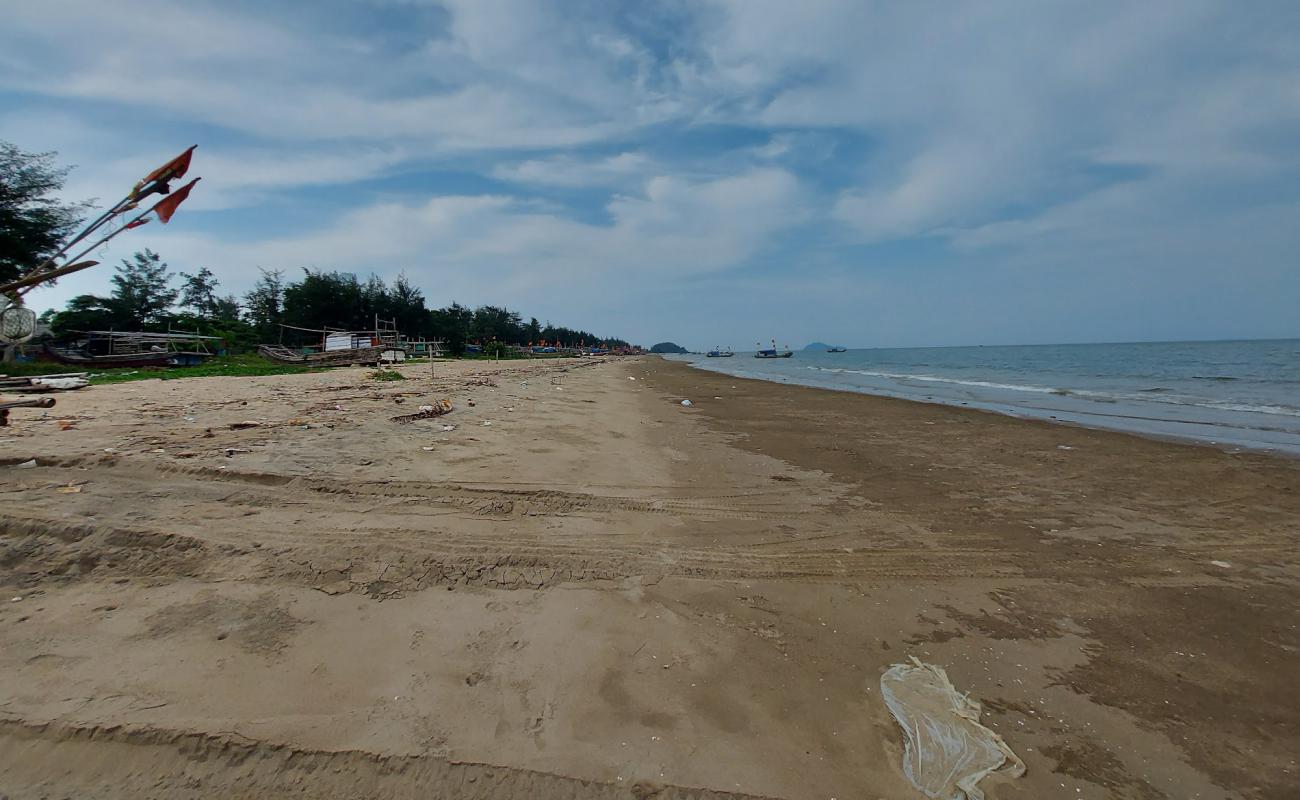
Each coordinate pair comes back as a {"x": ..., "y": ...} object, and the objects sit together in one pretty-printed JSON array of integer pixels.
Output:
[
  {"x": 132, "y": 349},
  {"x": 718, "y": 352},
  {"x": 336, "y": 348},
  {"x": 329, "y": 358},
  {"x": 772, "y": 352},
  {"x": 837, "y": 349}
]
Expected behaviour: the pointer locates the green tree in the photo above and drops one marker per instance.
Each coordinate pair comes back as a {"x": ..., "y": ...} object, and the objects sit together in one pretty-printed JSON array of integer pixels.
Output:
[
  {"x": 406, "y": 306},
  {"x": 142, "y": 294},
  {"x": 264, "y": 304},
  {"x": 226, "y": 309},
  {"x": 85, "y": 312},
  {"x": 199, "y": 293},
  {"x": 451, "y": 325},
  {"x": 33, "y": 221},
  {"x": 329, "y": 300},
  {"x": 493, "y": 323}
]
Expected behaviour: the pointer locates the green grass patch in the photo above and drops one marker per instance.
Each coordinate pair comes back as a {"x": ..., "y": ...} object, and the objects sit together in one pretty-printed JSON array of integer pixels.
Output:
[
  {"x": 245, "y": 365},
  {"x": 387, "y": 375}
]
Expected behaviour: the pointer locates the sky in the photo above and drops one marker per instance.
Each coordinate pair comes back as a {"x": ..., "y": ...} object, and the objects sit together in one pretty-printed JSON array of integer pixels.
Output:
[{"x": 715, "y": 172}]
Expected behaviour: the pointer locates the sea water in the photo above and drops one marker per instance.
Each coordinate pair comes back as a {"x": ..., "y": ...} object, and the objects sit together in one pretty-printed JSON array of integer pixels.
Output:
[{"x": 1242, "y": 394}]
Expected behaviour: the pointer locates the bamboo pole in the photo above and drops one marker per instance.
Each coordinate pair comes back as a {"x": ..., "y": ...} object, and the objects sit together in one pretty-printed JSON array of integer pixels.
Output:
[{"x": 32, "y": 279}]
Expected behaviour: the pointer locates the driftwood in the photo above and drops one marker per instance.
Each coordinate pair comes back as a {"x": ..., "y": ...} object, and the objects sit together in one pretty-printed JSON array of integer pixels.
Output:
[
  {"x": 44, "y": 402},
  {"x": 426, "y": 412}
]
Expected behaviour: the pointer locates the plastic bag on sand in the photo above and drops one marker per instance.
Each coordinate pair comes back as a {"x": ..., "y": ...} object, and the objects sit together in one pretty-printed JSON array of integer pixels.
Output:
[{"x": 947, "y": 751}]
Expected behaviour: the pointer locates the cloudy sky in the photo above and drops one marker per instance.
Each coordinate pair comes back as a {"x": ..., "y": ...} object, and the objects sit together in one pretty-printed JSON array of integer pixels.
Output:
[{"x": 712, "y": 172}]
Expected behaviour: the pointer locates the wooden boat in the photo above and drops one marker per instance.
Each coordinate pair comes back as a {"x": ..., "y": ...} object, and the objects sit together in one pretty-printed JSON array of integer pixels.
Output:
[
  {"x": 133, "y": 349},
  {"x": 329, "y": 358},
  {"x": 719, "y": 354},
  {"x": 79, "y": 358},
  {"x": 837, "y": 349}
]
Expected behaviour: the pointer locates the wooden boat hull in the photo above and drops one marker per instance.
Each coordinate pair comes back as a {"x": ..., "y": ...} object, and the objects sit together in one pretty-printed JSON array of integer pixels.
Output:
[
  {"x": 335, "y": 358},
  {"x": 786, "y": 354},
  {"x": 65, "y": 356}
]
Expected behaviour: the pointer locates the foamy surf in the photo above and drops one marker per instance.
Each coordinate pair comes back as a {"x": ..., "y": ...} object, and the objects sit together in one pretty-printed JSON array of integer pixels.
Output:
[{"x": 1245, "y": 394}]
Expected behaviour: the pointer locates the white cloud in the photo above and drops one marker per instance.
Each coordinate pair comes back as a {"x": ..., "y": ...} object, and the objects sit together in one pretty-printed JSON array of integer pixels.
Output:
[
  {"x": 571, "y": 171},
  {"x": 996, "y": 129},
  {"x": 495, "y": 246}
]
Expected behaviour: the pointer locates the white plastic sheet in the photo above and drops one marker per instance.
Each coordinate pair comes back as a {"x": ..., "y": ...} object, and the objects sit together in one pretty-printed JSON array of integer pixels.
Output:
[{"x": 947, "y": 751}]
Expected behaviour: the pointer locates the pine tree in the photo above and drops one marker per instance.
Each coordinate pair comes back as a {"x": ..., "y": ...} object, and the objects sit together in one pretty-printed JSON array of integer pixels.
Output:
[
  {"x": 199, "y": 293},
  {"x": 33, "y": 223},
  {"x": 142, "y": 294}
]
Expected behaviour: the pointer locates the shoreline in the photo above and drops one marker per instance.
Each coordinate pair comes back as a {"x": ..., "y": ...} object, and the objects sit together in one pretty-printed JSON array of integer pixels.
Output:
[
  {"x": 1224, "y": 440},
  {"x": 603, "y": 590}
]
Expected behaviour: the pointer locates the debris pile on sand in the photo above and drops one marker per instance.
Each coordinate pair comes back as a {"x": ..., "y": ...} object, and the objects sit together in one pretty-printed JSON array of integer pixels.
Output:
[{"x": 439, "y": 408}]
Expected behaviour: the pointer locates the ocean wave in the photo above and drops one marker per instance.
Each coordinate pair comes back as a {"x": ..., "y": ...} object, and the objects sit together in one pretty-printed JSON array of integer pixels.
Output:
[
  {"x": 1156, "y": 394},
  {"x": 908, "y": 376},
  {"x": 1214, "y": 378},
  {"x": 1285, "y": 411}
]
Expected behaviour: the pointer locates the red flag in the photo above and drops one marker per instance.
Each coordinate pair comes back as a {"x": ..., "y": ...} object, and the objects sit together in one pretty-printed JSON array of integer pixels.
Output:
[
  {"x": 176, "y": 168},
  {"x": 167, "y": 206},
  {"x": 137, "y": 223}
]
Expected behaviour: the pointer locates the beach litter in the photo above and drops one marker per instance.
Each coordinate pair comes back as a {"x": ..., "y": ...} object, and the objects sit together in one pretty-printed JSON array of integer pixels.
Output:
[
  {"x": 687, "y": 403},
  {"x": 248, "y": 423},
  {"x": 1222, "y": 564},
  {"x": 426, "y": 412},
  {"x": 947, "y": 751},
  {"x": 27, "y": 464}
]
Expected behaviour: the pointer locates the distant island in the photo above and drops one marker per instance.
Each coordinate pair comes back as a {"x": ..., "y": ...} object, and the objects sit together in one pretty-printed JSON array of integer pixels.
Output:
[
  {"x": 820, "y": 347},
  {"x": 668, "y": 347}
]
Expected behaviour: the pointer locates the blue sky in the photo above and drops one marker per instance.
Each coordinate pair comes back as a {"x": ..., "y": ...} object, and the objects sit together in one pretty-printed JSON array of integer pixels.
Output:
[{"x": 876, "y": 174}]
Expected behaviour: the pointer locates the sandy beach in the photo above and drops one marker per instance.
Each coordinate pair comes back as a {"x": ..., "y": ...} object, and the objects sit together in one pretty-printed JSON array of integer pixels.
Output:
[{"x": 255, "y": 587}]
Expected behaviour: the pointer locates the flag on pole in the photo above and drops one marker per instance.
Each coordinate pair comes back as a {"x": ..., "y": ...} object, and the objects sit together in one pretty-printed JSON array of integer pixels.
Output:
[
  {"x": 167, "y": 206},
  {"x": 176, "y": 168},
  {"x": 156, "y": 182}
]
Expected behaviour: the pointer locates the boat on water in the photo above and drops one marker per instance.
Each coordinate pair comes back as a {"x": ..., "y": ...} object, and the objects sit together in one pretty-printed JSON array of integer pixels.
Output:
[
  {"x": 772, "y": 352},
  {"x": 718, "y": 352},
  {"x": 837, "y": 349},
  {"x": 132, "y": 349}
]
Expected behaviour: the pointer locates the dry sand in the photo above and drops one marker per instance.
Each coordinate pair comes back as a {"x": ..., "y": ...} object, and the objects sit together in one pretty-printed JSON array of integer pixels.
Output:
[{"x": 607, "y": 594}]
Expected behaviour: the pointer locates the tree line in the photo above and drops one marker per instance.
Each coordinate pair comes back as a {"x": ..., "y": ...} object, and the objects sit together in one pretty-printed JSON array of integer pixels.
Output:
[
  {"x": 34, "y": 222},
  {"x": 143, "y": 298}
]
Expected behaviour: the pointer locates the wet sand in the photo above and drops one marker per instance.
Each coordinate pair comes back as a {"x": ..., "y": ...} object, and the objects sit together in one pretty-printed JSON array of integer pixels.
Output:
[{"x": 606, "y": 594}]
